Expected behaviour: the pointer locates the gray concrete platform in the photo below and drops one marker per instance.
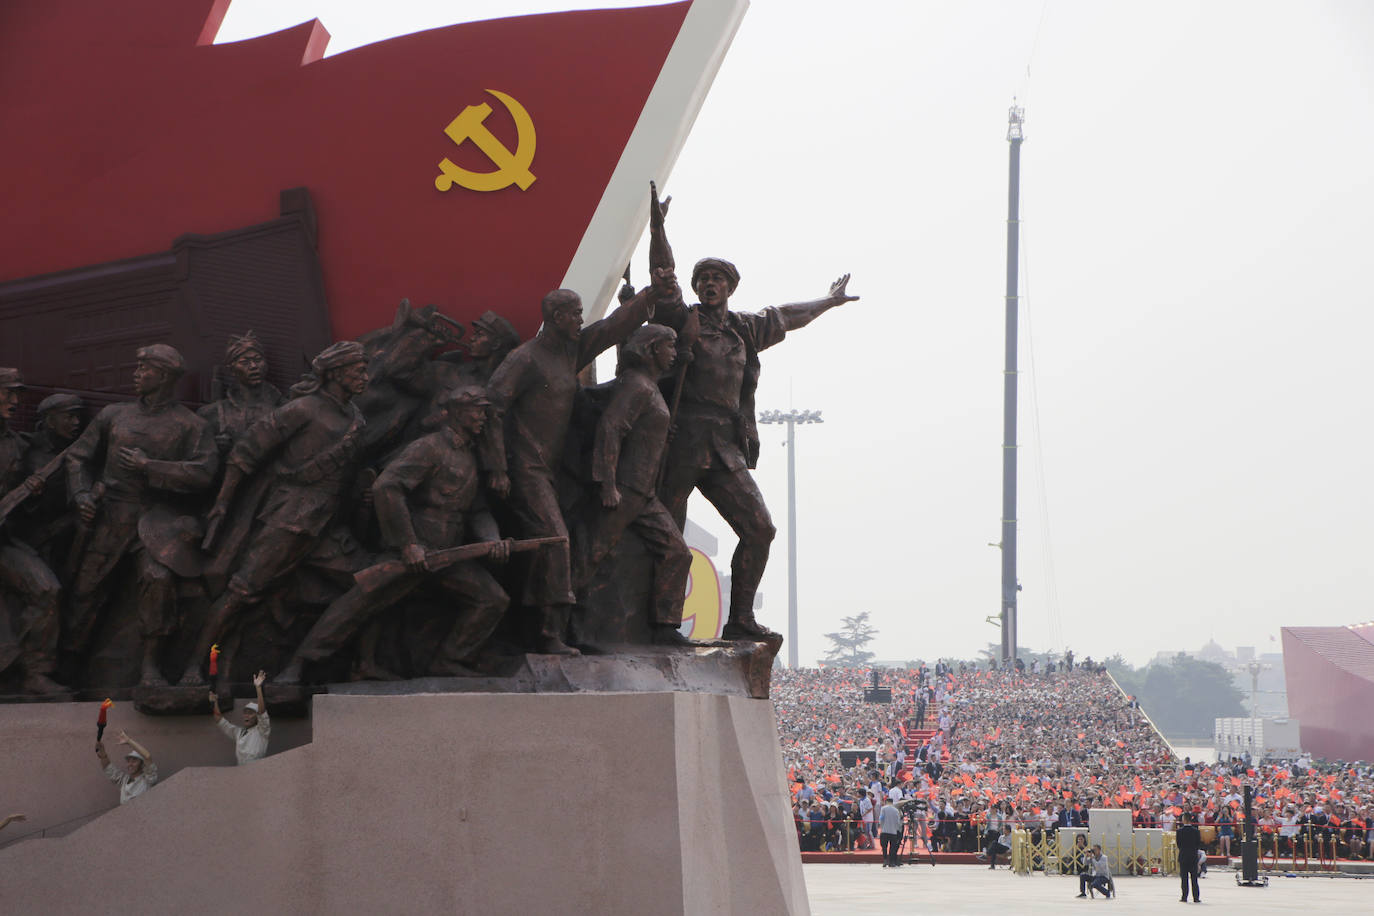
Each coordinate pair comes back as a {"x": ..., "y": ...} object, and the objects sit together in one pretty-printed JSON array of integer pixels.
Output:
[{"x": 861, "y": 890}]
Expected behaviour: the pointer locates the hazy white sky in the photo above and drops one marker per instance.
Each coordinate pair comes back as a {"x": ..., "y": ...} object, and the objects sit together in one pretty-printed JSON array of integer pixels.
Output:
[{"x": 1196, "y": 209}]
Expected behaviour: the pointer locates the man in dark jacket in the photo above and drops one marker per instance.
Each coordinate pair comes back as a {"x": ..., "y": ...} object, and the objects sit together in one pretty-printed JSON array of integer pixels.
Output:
[{"x": 1189, "y": 841}]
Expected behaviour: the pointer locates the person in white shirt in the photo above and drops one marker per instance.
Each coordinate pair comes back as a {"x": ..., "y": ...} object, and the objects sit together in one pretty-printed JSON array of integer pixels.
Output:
[
  {"x": 250, "y": 741},
  {"x": 1098, "y": 876},
  {"x": 866, "y": 812},
  {"x": 139, "y": 773},
  {"x": 1288, "y": 829}
]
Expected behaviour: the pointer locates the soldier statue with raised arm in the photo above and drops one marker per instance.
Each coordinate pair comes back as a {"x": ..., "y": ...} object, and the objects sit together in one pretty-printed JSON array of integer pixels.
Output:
[{"x": 716, "y": 443}]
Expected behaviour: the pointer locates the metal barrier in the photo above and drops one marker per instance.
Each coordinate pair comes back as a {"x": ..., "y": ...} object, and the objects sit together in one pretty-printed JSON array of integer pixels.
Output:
[
  {"x": 843, "y": 835},
  {"x": 1301, "y": 845},
  {"x": 1140, "y": 852}
]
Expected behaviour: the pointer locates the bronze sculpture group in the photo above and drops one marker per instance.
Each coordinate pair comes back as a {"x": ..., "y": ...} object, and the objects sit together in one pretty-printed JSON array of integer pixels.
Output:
[{"x": 403, "y": 511}]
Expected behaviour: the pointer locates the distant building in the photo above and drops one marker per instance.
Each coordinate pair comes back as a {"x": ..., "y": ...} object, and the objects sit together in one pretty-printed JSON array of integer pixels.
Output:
[
  {"x": 1269, "y": 694},
  {"x": 1261, "y": 739},
  {"x": 1330, "y": 677}
]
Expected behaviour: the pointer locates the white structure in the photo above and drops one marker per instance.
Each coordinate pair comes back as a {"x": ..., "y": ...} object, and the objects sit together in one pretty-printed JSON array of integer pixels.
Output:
[{"x": 1260, "y": 738}]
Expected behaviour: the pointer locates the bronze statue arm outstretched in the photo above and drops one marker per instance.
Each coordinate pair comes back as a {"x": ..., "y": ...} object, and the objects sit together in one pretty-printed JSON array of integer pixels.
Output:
[
  {"x": 600, "y": 336},
  {"x": 799, "y": 314}
]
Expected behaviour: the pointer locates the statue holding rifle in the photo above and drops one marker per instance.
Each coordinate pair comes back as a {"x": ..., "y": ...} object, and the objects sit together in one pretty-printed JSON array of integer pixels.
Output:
[{"x": 427, "y": 501}]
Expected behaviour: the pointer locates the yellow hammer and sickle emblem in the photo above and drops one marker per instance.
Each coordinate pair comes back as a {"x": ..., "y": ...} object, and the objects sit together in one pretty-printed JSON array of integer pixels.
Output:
[{"x": 511, "y": 168}]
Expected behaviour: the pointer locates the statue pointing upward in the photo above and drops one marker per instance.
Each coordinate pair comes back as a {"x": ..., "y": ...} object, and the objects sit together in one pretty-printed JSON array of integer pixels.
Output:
[{"x": 716, "y": 441}]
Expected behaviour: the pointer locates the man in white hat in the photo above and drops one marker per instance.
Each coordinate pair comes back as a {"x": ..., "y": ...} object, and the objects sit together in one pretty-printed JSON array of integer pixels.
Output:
[
  {"x": 139, "y": 771},
  {"x": 250, "y": 740}
]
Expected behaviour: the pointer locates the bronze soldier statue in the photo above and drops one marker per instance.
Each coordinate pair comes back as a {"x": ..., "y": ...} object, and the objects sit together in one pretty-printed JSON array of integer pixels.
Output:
[
  {"x": 427, "y": 499},
  {"x": 717, "y": 442},
  {"x": 22, "y": 570},
  {"x": 403, "y": 375},
  {"x": 312, "y": 442},
  {"x": 492, "y": 339},
  {"x": 248, "y": 397},
  {"x": 125, "y": 473},
  {"x": 51, "y": 523},
  {"x": 628, "y": 452},
  {"x": 532, "y": 393}
]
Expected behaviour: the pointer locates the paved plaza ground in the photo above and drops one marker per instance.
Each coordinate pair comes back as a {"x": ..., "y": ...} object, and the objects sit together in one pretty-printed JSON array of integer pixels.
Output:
[{"x": 871, "y": 890}]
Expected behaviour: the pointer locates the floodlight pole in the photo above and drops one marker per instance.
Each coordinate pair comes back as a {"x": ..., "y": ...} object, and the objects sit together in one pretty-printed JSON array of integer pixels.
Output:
[
  {"x": 1015, "y": 120},
  {"x": 791, "y": 418}
]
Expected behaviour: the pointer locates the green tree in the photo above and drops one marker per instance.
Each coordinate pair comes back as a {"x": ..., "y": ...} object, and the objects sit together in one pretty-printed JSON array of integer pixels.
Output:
[
  {"x": 847, "y": 645},
  {"x": 1183, "y": 697}
]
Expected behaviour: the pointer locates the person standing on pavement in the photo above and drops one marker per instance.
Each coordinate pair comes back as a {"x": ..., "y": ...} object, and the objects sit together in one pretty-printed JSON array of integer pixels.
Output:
[
  {"x": 1189, "y": 841},
  {"x": 890, "y": 833}
]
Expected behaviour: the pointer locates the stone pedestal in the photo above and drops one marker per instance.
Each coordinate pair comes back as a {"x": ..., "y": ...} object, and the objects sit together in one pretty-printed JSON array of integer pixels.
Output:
[{"x": 642, "y": 803}]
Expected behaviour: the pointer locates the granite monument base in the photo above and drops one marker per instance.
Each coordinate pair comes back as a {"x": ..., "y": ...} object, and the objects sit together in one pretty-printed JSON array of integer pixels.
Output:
[{"x": 645, "y": 803}]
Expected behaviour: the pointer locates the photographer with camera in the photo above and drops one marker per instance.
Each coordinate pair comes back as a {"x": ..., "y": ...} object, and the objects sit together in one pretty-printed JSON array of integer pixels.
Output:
[{"x": 1098, "y": 876}]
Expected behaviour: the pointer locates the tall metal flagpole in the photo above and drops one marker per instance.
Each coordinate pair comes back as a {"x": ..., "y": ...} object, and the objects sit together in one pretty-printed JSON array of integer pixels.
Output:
[{"x": 1015, "y": 120}]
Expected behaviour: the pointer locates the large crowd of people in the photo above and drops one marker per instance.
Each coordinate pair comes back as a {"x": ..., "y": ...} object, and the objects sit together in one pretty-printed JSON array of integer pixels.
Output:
[{"x": 980, "y": 752}]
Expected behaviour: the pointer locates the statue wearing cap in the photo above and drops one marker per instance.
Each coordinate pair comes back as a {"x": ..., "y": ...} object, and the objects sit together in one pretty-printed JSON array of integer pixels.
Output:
[
  {"x": 628, "y": 450},
  {"x": 248, "y": 396},
  {"x": 490, "y": 342},
  {"x": 309, "y": 446},
  {"x": 717, "y": 441},
  {"x": 492, "y": 338},
  {"x": 428, "y": 498},
  {"x": 22, "y": 571},
  {"x": 50, "y": 524},
  {"x": 128, "y": 474}
]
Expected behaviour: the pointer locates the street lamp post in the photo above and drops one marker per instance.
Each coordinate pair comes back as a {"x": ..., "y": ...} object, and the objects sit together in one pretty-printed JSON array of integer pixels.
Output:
[{"x": 791, "y": 418}]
